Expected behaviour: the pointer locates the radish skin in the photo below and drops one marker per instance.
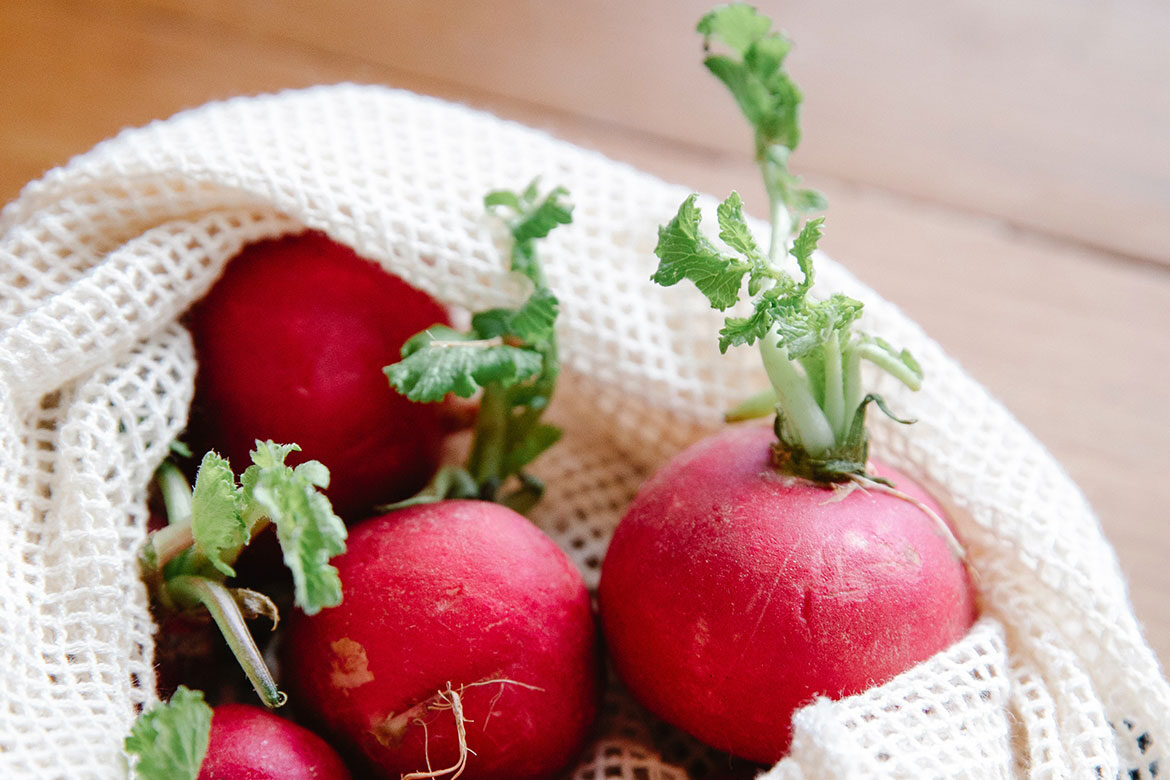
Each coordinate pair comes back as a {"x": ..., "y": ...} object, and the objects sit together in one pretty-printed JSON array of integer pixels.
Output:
[
  {"x": 455, "y": 597},
  {"x": 732, "y": 594},
  {"x": 291, "y": 342},
  {"x": 250, "y": 743}
]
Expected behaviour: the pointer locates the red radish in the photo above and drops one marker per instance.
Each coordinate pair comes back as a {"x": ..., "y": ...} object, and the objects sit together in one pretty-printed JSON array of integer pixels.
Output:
[
  {"x": 464, "y": 644},
  {"x": 760, "y": 569},
  {"x": 291, "y": 342},
  {"x": 457, "y": 615},
  {"x": 250, "y": 743},
  {"x": 731, "y": 595}
]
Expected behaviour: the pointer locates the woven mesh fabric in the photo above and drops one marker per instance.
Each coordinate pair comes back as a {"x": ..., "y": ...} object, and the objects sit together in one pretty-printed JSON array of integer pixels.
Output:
[{"x": 99, "y": 258}]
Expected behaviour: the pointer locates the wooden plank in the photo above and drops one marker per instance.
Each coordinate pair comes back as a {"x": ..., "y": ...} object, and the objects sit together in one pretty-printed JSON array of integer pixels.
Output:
[
  {"x": 1073, "y": 341},
  {"x": 1051, "y": 114}
]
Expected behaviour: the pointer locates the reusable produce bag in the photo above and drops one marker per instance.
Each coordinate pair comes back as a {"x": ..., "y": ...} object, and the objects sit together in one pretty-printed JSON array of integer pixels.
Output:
[{"x": 98, "y": 259}]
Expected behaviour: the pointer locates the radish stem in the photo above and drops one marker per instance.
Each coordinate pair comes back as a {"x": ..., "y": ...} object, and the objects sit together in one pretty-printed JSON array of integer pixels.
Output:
[
  {"x": 800, "y": 410},
  {"x": 854, "y": 391},
  {"x": 192, "y": 590},
  {"x": 761, "y": 404},
  {"x": 486, "y": 462},
  {"x": 887, "y": 362},
  {"x": 168, "y": 542},
  {"x": 176, "y": 492},
  {"x": 834, "y": 402}
]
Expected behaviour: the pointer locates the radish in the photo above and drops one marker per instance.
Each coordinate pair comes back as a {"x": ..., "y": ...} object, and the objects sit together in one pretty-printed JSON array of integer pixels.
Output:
[
  {"x": 465, "y": 643},
  {"x": 731, "y": 595},
  {"x": 290, "y": 343},
  {"x": 764, "y": 567},
  {"x": 185, "y": 740},
  {"x": 463, "y": 628},
  {"x": 249, "y": 743}
]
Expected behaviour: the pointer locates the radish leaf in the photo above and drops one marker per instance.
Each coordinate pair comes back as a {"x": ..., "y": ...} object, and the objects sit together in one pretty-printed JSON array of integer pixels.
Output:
[
  {"x": 532, "y": 218},
  {"x": 533, "y": 322},
  {"x": 739, "y": 26},
  {"x": 757, "y": 81},
  {"x": 734, "y": 230},
  {"x": 810, "y": 351},
  {"x": 309, "y": 532},
  {"x": 216, "y": 524},
  {"x": 684, "y": 253},
  {"x": 509, "y": 354},
  {"x": 170, "y": 740},
  {"x": 442, "y": 360}
]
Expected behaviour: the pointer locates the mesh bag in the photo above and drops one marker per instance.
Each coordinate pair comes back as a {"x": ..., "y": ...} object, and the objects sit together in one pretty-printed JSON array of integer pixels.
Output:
[{"x": 99, "y": 258}]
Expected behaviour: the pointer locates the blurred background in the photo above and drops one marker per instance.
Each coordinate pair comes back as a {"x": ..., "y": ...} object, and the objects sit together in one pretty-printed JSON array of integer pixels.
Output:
[{"x": 999, "y": 169}]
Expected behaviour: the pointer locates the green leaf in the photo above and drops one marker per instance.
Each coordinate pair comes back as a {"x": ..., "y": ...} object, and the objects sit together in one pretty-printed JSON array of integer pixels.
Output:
[
  {"x": 746, "y": 330},
  {"x": 738, "y": 25},
  {"x": 804, "y": 246},
  {"x": 532, "y": 323},
  {"x": 539, "y": 220},
  {"x": 756, "y": 79},
  {"x": 734, "y": 230},
  {"x": 270, "y": 455},
  {"x": 803, "y": 326},
  {"x": 180, "y": 448},
  {"x": 538, "y": 439},
  {"x": 751, "y": 95},
  {"x": 489, "y": 324},
  {"x": 805, "y": 200},
  {"x": 684, "y": 253},
  {"x": 532, "y": 218},
  {"x": 310, "y": 533},
  {"x": 502, "y": 198},
  {"x": 170, "y": 740},
  {"x": 535, "y": 320},
  {"x": 441, "y": 360},
  {"x": 509, "y": 353},
  {"x": 216, "y": 523},
  {"x": 314, "y": 472}
]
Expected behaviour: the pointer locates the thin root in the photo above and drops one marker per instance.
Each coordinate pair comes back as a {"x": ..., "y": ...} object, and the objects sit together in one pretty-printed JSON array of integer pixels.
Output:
[
  {"x": 943, "y": 529},
  {"x": 451, "y": 699},
  {"x": 843, "y": 491}
]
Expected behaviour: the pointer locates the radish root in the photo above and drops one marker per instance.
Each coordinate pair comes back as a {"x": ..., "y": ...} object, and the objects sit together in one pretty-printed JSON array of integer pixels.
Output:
[
  {"x": 866, "y": 484},
  {"x": 451, "y": 699}
]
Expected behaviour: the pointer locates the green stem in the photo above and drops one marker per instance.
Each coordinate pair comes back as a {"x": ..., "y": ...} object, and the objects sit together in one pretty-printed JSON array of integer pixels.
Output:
[
  {"x": 854, "y": 392},
  {"x": 519, "y": 426},
  {"x": 834, "y": 386},
  {"x": 781, "y": 229},
  {"x": 226, "y": 613},
  {"x": 890, "y": 365},
  {"x": 166, "y": 543},
  {"x": 800, "y": 409},
  {"x": 761, "y": 404},
  {"x": 772, "y": 161},
  {"x": 176, "y": 492},
  {"x": 255, "y": 520},
  {"x": 486, "y": 462}
]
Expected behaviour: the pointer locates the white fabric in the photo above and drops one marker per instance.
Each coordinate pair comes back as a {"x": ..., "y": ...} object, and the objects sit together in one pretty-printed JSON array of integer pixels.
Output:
[{"x": 99, "y": 258}]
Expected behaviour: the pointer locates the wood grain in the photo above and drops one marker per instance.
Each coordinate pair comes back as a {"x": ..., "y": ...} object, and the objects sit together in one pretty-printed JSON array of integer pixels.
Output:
[
  {"x": 1002, "y": 206},
  {"x": 1050, "y": 114}
]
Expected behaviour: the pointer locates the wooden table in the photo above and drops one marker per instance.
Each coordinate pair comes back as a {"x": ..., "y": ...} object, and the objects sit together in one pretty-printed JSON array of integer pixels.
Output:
[{"x": 999, "y": 169}]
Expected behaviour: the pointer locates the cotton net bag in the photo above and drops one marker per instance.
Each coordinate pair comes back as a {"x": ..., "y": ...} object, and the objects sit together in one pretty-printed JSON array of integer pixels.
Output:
[{"x": 99, "y": 259}]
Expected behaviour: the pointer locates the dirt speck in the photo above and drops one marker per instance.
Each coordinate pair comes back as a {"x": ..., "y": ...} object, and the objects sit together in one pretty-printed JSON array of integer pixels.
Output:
[{"x": 350, "y": 666}]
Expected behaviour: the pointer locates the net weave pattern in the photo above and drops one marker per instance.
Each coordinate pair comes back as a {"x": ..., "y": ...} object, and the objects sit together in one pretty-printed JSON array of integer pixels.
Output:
[{"x": 99, "y": 258}]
